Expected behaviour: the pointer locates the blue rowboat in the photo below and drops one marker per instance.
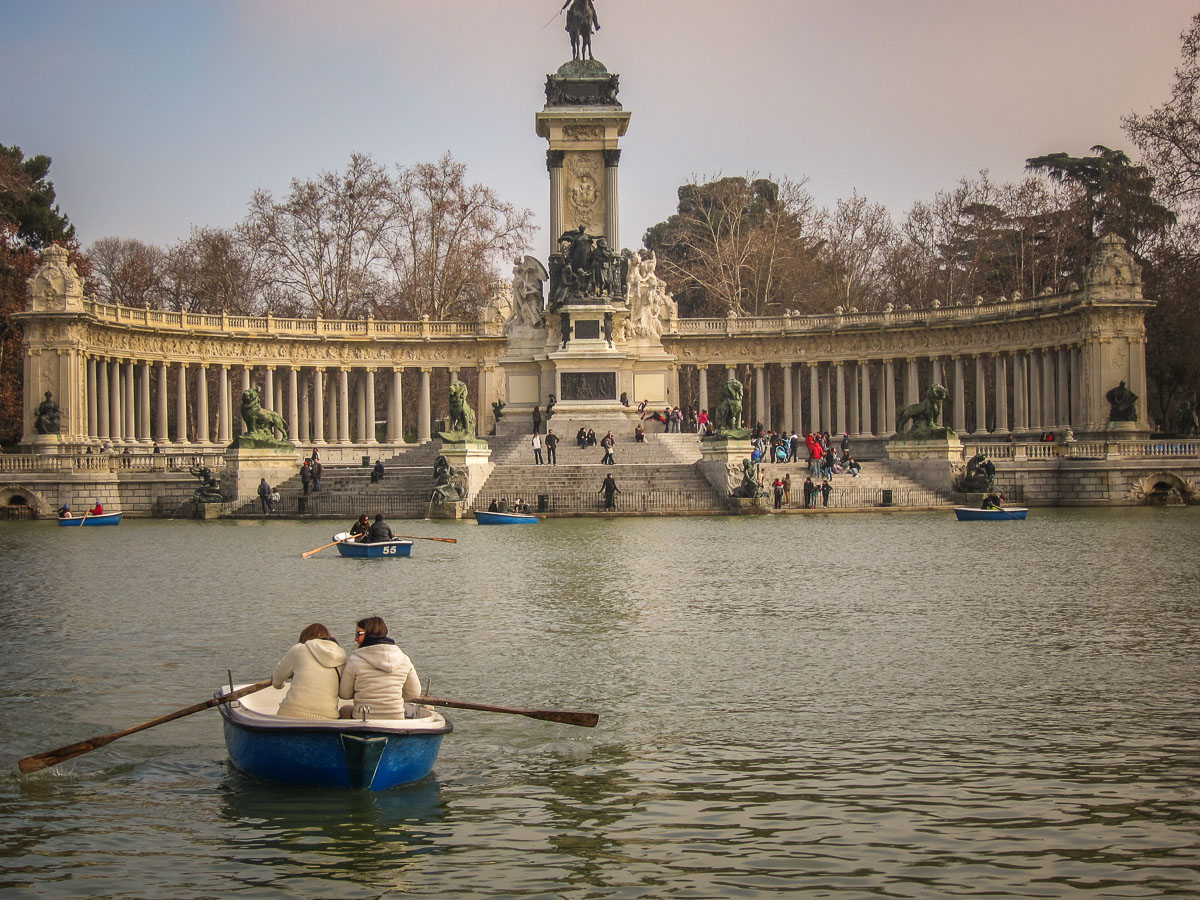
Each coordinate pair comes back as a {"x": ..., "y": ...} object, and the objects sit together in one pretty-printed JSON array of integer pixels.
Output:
[
  {"x": 365, "y": 754},
  {"x": 499, "y": 518},
  {"x": 969, "y": 514},
  {"x": 106, "y": 519},
  {"x": 382, "y": 549}
]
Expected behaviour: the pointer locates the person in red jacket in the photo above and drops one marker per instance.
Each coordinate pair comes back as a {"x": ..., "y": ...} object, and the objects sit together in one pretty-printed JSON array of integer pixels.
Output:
[{"x": 97, "y": 510}]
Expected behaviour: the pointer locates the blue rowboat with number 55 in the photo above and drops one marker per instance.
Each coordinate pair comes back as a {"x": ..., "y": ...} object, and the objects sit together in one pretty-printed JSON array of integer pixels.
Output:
[
  {"x": 383, "y": 549},
  {"x": 89, "y": 519}
]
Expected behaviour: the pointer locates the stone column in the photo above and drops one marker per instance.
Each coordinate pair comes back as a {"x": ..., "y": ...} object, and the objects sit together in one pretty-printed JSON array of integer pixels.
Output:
[
  {"x": 92, "y": 387},
  {"x": 912, "y": 383},
  {"x": 867, "y": 428},
  {"x": 852, "y": 396},
  {"x": 343, "y": 403},
  {"x": 554, "y": 163},
  {"x": 881, "y": 419},
  {"x": 181, "y": 410},
  {"x": 1035, "y": 392},
  {"x": 161, "y": 434},
  {"x": 612, "y": 216},
  {"x": 839, "y": 417},
  {"x": 103, "y": 408},
  {"x": 360, "y": 407},
  {"x": 423, "y": 433},
  {"x": 787, "y": 397},
  {"x": 395, "y": 432},
  {"x": 371, "y": 439},
  {"x": 245, "y": 381},
  {"x": 889, "y": 378},
  {"x": 827, "y": 399},
  {"x": 278, "y": 407},
  {"x": 814, "y": 399},
  {"x": 1076, "y": 382},
  {"x": 143, "y": 411},
  {"x": 959, "y": 400},
  {"x": 798, "y": 400},
  {"x": 1001, "y": 394},
  {"x": 129, "y": 402},
  {"x": 268, "y": 391},
  {"x": 980, "y": 398},
  {"x": 116, "y": 420},
  {"x": 703, "y": 371},
  {"x": 318, "y": 405},
  {"x": 331, "y": 411},
  {"x": 304, "y": 414},
  {"x": 293, "y": 403},
  {"x": 760, "y": 395},
  {"x": 1049, "y": 410},
  {"x": 1064, "y": 403},
  {"x": 1020, "y": 393},
  {"x": 202, "y": 432},
  {"x": 936, "y": 378},
  {"x": 224, "y": 413}
]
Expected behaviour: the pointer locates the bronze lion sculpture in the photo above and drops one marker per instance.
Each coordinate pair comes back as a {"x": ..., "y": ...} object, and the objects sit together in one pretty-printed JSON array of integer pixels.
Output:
[
  {"x": 259, "y": 421},
  {"x": 923, "y": 415}
]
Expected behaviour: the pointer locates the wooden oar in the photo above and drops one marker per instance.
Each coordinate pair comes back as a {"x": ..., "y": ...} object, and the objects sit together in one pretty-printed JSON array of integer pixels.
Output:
[
  {"x": 326, "y": 547},
  {"x": 41, "y": 761},
  {"x": 583, "y": 719},
  {"x": 414, "y": 537}
]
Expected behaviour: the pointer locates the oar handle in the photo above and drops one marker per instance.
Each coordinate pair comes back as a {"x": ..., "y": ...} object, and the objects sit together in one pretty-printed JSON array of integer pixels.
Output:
[
  {"x": 41, "y": 761},
  {"x": 563, "y": 716}
]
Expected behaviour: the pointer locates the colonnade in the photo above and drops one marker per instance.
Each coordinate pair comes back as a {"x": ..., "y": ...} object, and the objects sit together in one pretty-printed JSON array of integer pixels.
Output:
[
  {"x": 1024, "y": 391},
  {"x": 129, "y": 400}
]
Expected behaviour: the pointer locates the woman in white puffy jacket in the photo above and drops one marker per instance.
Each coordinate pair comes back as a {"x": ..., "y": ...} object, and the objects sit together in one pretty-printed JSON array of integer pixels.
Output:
[
  {"x": 315, "y": 667},
  {"x": 379, "y": 676}
]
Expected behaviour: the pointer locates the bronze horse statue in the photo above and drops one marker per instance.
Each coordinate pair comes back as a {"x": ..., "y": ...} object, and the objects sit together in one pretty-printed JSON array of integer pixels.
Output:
[{"x": 581, "y": 20}]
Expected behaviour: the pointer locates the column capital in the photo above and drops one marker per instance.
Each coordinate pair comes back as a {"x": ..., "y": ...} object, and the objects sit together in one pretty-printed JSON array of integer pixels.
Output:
[
  {"x": 612, "y": 158},
  {"x": 426, "y": 369},
  {"x": 554, "y": 158}
]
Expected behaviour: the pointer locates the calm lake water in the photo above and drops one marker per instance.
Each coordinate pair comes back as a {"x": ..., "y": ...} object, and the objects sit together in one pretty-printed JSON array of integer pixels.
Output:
[{"x": 890, "y": 705}]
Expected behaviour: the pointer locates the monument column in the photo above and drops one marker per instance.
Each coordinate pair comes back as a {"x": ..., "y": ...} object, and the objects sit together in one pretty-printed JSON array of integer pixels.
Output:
[
  {"x": 1035, "y": 393},
  {"x": 129, "y": 400},
  {"x": 702, "y": 371},
  {"x": 343, "y": 405},
  {"x": 814, "y": 399},
  {"x": 787, "y": 396},
  {"x": 760, "y": 395},
  {"x": 959, "y": 400},
  {"x": 852, "y": 397},
  {"x": 102, "y": 401},
  {"x": 912, "y": 387},
  {"x": 143, "y": 411},
  {"x": 1001, "y": 395},
  {"x": 116, "y": 420},
  {"x": 1049, "y": 410},
  {"x": 293, "y": 402},
  {"x": 268, "y": 392},
  {"x": 370, "y": 422},
  {"x": 867, "y": 428},
  {"x": 980, "y": 398},
  {"x": 181, "y": 411},
  {"x": 224, "y": 417},
  {"x": 554, "y": 164},
  {"x": 827, "y": 399},
  {"x": 840, "y": 401},
  {"x": 612, "y": 214},
  {"x": 202, "y": 433},
  {"x": 318, "y": 405},
  {"x": 1020, "y": 394},
  {"x": 396, "y": 409},
  {"x": 245, "y": 380},
  {"x": 889, "y": 378},
  {"x": 1064, "y": 405},
  {"x": 423, "y": 433},
  {"x": 1076, "y": 381},
  {"x": 160, "y": 420},
  {"x": 92, "y": 388}
]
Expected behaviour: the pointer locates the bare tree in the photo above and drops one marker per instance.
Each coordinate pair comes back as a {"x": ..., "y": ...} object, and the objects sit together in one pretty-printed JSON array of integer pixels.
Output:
[
  {"x": 211, "y": 272},
  {"x": 856, "y": 241},
  {"x": 448, "y": 240},
  {"x": 322, "y": 245},
  {"x": 128, "y": 271}
]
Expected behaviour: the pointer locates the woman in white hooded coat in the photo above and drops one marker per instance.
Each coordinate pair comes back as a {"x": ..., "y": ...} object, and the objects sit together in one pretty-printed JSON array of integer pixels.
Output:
[
  {"x": 379, "y": 676},
  {"x": 315, "y": 667}
]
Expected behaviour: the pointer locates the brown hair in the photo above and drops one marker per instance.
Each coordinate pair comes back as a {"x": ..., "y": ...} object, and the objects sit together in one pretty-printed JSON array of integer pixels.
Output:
[
  {"x": 373, "y": 626},
  {"x": 315, "y": 631}
]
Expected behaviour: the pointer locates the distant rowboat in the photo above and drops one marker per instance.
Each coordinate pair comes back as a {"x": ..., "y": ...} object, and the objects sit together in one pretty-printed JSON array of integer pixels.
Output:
[
  {"x": 105, "y": 519},
  {"x": 970, "y": 514},
  {"x": 380, "y": 549},
  {"x": 499, "y": 518},
  {"x": 370, "y": 754}
]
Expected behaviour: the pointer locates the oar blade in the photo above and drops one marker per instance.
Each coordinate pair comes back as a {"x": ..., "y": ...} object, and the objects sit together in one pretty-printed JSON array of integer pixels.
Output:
[
  {"x": 40, "y": 761},
  {"x": 582, "y": 719}
]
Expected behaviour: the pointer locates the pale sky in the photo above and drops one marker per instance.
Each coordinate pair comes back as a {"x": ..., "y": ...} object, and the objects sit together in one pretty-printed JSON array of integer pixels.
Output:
[{"x": 164, "y": 114}]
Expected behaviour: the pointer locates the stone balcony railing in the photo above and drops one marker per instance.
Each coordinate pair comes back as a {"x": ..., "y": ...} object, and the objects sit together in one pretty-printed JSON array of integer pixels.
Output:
[
  {"x": 1163, "y": 448},
  {"x": 108, "y": 462}
]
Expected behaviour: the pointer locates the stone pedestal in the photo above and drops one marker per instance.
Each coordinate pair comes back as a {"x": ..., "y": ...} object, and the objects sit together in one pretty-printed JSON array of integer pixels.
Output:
[
  {"x": 933, "y": 461},
  {"x": 47, "y": 444},
  {"x": 743, "y": 506},
  {"x": 474, "y": 460},
  {"x": 446, "y": 510},
  {"x": 721, "y": 463},
  {"x": 244, "y": 469}
]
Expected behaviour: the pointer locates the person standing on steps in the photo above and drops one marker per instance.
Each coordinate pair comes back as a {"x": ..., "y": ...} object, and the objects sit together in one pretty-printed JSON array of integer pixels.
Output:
[
  {"x": 537, "y": 420},
  {"x": 551, "y": 447},
  {"x": 536, "y": 443},
  {"x": 610, "y": 490}
]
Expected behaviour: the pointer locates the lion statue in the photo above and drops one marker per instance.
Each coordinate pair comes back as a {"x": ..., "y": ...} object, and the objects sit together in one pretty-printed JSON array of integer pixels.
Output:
[
  {"x": 259, "y": 421},
  {"x": 727, "y": 418},
  {"x": 924, "y": 415},
  {"x": 459, "y": 426}
]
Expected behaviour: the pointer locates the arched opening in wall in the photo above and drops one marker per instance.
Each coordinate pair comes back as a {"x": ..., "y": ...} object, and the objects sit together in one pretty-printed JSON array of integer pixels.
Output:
[
  {"x": 1166, "y": 489},
  {"x": 16, "y": 506}
]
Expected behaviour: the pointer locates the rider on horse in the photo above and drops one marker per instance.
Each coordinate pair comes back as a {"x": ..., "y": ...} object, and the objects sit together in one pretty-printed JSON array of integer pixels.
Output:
[{"x": 581, "y": 21}]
